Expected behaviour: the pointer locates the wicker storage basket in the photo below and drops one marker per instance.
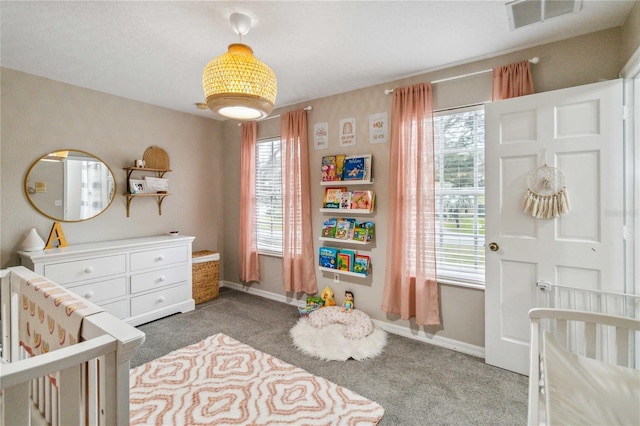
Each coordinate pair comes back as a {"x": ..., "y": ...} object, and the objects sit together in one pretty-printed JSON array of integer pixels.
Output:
[{"x": 205, "y": 278}]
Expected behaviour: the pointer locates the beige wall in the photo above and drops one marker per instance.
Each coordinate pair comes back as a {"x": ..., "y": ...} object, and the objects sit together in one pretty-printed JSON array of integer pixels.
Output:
[
  {"x": 562, "y": 64},
  {"x": 40, "y": 116},
  {"x": 631, "y": 33}
]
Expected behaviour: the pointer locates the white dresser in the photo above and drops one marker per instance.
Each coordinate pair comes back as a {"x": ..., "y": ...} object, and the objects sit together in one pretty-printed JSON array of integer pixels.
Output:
[{"x": 137, "y": 280}]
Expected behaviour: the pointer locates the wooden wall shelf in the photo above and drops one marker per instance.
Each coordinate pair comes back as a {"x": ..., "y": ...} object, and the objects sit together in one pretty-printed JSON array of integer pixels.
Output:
[
  {"x": 159, "y": 172},
  {"x": 160, "y": 199}
]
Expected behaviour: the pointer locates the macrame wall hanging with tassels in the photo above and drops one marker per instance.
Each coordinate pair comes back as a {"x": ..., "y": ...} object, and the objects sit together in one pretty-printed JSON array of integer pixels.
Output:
[{"x": 546, "y": 194}]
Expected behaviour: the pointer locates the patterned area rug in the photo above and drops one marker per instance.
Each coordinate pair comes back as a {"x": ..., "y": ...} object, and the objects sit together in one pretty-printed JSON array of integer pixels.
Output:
[{"x": 224, "y": 382}]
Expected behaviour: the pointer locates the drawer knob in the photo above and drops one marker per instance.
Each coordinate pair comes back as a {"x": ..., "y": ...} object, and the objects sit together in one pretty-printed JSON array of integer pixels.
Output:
[
  {"x": 89, "y": 295},
  {"x": 160, "y": 258},
  {"x": 88, "y": 270},
  {"x": 161, "y": 278},
  {"x": 161, "y": 299}
]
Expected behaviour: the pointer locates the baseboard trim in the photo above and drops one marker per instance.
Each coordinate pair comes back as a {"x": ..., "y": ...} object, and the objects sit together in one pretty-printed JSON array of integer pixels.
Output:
[
  {"x": 421, "y": 336},
  {"x": 258, "y": 292},
  {"x": 444, "y": 342}
]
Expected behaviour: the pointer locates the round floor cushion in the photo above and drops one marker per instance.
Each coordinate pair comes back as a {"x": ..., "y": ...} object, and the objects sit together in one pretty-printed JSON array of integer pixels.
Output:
[{"x": 324, "y": 335}]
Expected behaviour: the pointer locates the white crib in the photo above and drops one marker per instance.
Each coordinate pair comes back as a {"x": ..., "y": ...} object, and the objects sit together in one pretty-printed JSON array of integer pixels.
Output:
[
  {"x": 92, "y": 386},
  {"x": 584, "y": 358}
]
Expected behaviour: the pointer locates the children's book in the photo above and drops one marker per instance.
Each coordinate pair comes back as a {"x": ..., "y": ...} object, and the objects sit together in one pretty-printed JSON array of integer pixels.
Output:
[
  {"x": 332, "y": 197},
  {"x": 350, "y": 254},
  {"x": 329, "y": 228},
  {"x": 328, "y": 257},
  {"x": 329, "y": 168},
  {"x": 354, "y": 168},
  {"x": 360, "y": 232},
  {"x": 340, "y": 166},
  {"x": 370, "y": 229},
  {"x": 344, "y": 262},
  {"x": 343, "y": 229},
  {"x": 368, "y": 164},
  {"x": 345, "y": 200},
  {"x": 361, "y": 264},
  {"x": 363, "y": 200}
]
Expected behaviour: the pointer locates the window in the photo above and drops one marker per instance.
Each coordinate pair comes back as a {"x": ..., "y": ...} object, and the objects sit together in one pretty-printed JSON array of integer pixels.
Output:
[
  {"x": 269, "y": 196},
  {"x": 459, "y": 154}
]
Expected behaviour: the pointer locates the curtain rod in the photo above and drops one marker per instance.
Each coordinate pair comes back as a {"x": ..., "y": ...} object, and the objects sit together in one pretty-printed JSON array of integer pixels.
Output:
[
  {"x": 307, "y": 108},
  {"x": 533, "y": 60}
]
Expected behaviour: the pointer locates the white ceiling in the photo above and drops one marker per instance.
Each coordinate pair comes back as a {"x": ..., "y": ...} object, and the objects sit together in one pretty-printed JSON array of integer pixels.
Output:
[{"x": 155, "y": 51}]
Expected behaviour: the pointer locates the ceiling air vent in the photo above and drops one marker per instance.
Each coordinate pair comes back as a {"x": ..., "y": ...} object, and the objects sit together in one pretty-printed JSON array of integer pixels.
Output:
[{"x": 527, "y": 12}]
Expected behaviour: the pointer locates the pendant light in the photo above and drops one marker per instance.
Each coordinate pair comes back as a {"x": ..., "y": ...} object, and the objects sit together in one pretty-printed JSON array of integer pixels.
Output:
[{"x": 237, "y": 84}]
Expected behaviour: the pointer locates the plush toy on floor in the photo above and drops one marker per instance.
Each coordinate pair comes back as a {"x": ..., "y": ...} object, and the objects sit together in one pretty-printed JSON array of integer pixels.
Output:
[
  {"x": 327, "y": 297},
  {"x": 313, "y": 303},
  {"x": 348, "y": 304}
]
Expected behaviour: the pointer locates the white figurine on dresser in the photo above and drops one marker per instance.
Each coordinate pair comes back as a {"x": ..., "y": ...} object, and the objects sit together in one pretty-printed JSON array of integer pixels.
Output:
[{"x": 137, "y": 280}]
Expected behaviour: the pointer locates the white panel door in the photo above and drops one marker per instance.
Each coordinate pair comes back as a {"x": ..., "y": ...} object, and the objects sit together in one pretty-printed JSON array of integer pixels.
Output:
[{"x": 580, "y": 131}]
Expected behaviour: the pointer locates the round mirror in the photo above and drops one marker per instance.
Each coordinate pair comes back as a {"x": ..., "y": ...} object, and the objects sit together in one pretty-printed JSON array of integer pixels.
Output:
[{"x": 69, "y": 185}]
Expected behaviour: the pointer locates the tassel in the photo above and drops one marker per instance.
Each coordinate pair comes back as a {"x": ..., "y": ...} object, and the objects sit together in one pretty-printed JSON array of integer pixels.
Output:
[
  {"x": 527, "y": 202},
  {"x": 565, "y": 201},
  {"x": 546, "y": 206},
  {"x": 549, "y": 212}
]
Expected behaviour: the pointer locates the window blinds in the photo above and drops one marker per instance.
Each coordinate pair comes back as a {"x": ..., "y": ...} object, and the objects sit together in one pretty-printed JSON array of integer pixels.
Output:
[{"x": 269, "y": 196}]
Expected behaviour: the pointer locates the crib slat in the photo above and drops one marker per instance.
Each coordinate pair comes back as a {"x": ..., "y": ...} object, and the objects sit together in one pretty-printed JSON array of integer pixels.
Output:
[
  {"x": 92, "y": 394},
  {"x": 590, "y": 340},
  {"x": 69, "y": 412},
  {"x": 49, "y": 410},
  {"x": 622, "y": 346},
  {"x": 41, "y": 397},
  {"x": 109, "y": 411},
  {"x": 17, "y": 404}
]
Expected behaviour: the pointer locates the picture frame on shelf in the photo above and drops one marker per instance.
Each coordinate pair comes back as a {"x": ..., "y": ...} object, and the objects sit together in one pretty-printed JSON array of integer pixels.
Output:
[
  {"x": 155, "y": 184},
  {"x": 138, "y": 186}
]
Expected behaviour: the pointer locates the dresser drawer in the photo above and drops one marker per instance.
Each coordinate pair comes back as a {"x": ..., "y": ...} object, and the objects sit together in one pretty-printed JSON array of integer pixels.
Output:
[
  {"x": 160, "y": 299},
  {"x": 119, "y": 309},
  {"x": 160, "y": 278},
  {"x": 158, "y": 257},
  {"x": 85, "y": 269},
  {"x": 102, "y": 290}
]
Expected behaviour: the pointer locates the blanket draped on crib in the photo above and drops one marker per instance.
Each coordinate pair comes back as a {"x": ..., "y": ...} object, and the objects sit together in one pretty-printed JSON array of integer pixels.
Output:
[{"x": 51, "y": 316}]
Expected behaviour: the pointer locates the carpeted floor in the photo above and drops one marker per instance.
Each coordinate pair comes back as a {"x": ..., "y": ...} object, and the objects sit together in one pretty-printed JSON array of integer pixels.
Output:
[{"x": 416, "y": 383}]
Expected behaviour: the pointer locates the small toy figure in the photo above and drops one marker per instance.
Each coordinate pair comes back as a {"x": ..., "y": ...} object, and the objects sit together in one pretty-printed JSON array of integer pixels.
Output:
[
  {"x": 348, "y": 304},
  {"x": 327, "y": 297},
  {"x": 313, "y": 303}
]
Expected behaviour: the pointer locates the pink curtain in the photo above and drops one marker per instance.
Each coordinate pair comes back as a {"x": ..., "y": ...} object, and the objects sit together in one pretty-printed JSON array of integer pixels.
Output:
[
  {"x": 410, "y": 288},
  {"x": 512, "y": 80},
  {"x": 249, "y": 270},
  {"x": 298, "y": 269}
]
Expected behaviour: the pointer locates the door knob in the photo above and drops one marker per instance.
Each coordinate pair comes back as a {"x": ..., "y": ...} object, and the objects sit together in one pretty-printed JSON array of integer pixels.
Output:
[{"x": 494, "y": 246}]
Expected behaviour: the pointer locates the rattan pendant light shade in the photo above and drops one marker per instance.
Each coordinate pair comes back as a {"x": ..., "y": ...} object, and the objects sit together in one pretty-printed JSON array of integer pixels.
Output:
[{"x": 238, "y": 85}]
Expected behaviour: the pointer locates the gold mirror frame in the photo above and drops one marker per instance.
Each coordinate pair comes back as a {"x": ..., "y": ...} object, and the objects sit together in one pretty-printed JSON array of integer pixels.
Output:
[{"x": 55, "y": 181}]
